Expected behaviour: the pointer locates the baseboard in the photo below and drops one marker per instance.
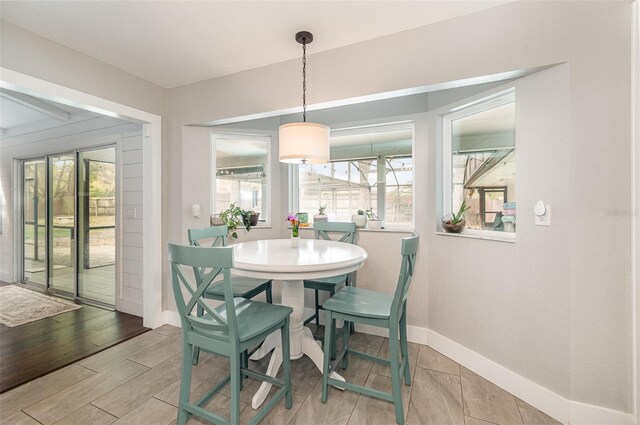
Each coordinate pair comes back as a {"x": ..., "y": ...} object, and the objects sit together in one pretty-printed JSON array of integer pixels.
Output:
[
  {"x": 543, "y": 399},
  {"x": 172, "y": 318},
  {"x": 588, "y": 414}
]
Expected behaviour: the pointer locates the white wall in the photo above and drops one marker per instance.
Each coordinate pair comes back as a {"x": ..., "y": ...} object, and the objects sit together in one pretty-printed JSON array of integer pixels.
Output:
[
  {"x": 585, "y": 289},
  {"x": 522, "y": 289},
  {"x": 79, "y": 135},
  {"x": 132, "y": 264}
]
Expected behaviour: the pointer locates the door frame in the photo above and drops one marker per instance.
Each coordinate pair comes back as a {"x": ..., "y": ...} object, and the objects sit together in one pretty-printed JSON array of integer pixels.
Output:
[{"x": 153, "y": 314}]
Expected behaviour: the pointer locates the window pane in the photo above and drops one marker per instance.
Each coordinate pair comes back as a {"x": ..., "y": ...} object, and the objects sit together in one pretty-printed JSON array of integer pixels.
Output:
[
  {"x": 350, "y": 182},
  {"x": 241, "y": 174},
  {"x": 483, "y": 166}
]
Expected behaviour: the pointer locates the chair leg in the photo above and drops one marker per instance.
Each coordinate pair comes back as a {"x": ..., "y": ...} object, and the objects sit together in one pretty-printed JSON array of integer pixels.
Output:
[
  {"x": 234, "y": 371},
  {"x": 328, "y": 337},
  {"x": 286, "y": 364},
  {"x": 405, "y": 349},
  {"x": 244, "y": 363},
  {"x": 345, "y": 344},
  {"x": 196, "y": 350},
  {"x": 332, "y": 292},
  {"x": 269, "y": 294},
  {"x": 185, "y": 383},
  {"x": 317, "y": 309},
  {"x": 396, "y": 379}
]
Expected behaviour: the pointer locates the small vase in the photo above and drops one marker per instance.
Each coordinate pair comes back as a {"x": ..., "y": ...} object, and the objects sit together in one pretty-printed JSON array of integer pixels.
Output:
[{"x": 295, "y": 241}]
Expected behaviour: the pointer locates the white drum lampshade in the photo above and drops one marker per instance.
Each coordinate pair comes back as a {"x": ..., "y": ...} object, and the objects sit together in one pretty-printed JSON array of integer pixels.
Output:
[{"x": 304, "y": 142}]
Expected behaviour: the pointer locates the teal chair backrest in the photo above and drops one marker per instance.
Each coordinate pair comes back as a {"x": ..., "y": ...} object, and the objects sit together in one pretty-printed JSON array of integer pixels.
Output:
[
  {"x": 409, "y": 251},
  {"x": 217, "y": 233},
  {"x": 346, "y": 232},
  {"x": 209, "y": 262}
]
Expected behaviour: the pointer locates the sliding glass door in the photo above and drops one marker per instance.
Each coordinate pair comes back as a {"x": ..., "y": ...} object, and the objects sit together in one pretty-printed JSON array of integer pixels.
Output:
[
  {"x": 69, "y": 224},
  {"x": 34, "y": 207},
  {"x": 61, "y": 222},
  {"x": 97, "y": 225}
]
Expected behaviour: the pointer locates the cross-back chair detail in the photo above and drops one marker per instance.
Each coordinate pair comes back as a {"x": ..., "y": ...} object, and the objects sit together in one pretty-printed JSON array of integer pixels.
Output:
[
  {"x": 330, "y": 231},
  {"x": 242, "y": 287},
  {"x": 228, "y": 330}
]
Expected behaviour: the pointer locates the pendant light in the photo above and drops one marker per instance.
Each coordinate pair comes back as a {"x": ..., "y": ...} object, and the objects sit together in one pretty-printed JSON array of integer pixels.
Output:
[{"x": 304, "y": 142}]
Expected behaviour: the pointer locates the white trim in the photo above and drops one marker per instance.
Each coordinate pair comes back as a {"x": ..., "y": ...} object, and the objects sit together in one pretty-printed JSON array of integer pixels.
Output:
[
  {"x": 152, "y": 143},
  {"x": 635, "y": 203},
  {"x": 589, "y": 414},
  {"x": 172, "y": 318},
  {"x": 486, "y": 235}
]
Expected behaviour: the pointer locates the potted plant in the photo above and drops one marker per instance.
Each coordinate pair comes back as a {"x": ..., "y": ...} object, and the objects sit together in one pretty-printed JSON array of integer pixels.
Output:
[
  {"x": 234, "y": 218},
  {"x": 321, "y": 214},
  {"x": 250, "y": 217},
  {"x": 374, "y": 222},
  {"x": 454, "y": 223},
  {"x": 359, "y": 219}
]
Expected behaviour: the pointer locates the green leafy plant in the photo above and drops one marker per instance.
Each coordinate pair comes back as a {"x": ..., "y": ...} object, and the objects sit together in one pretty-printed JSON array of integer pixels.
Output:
[
  {"x": 322, "y": 209},
  {"x": 459, "y": 216},
  {"x": 361, "y": 212},
  {"x": 235, "y": 217},
  {"x": 370, "y": 214}
]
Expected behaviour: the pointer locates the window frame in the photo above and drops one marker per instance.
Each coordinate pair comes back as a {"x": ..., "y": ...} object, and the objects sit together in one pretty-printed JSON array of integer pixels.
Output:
[
  {"x": 350, "y": 129},
  {"x": 483, "y": 104},
  {"x": 214, "y": 136}
]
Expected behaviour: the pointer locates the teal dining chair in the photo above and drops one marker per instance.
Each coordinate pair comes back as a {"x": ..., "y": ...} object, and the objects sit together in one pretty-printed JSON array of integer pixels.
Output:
[
  {"x": 227, "y": 330},
  {"x": 243, "y": 287},
  {"x": 380, "y": 310},
  {"x": 327, "y": 230}
]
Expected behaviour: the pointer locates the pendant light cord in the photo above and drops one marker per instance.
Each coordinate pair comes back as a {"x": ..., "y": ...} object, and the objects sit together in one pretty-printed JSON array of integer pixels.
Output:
[{"x": 304, "y": 82}]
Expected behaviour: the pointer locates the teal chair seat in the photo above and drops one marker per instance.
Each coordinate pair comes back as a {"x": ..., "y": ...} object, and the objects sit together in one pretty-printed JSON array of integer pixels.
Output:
[
  {"x": 228, "y": 330},
  {"x": 244, "y": 287},
  {"x": 360, "y": 302},
  {"x": 253, "y": 317},
  {"x": 378, "y": 309}
]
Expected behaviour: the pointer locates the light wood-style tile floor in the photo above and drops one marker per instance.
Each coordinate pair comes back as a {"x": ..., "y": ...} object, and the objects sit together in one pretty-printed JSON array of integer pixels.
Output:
[{"x": 137, "y": 383}]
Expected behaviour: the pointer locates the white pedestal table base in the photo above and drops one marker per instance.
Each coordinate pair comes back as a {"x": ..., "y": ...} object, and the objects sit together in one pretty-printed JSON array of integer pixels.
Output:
[{"x": 301, "y": 340}]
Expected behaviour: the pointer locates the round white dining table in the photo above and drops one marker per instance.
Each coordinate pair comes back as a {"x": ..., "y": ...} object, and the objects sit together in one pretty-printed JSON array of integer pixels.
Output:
[{"x": 277, "y": 259}]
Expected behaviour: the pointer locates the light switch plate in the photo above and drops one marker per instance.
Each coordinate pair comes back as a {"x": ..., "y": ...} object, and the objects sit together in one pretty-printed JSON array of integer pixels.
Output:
[
  {"x": 131, "y": 212},
  {"x": 544, "y": 220}
]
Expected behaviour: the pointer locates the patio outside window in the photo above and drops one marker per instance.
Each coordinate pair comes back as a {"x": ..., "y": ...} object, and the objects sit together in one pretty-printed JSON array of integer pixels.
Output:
[
  {"x": 241, "y": 173},
  {"x": 370, "y": 168},
  {"x": 480, "y": 163}
]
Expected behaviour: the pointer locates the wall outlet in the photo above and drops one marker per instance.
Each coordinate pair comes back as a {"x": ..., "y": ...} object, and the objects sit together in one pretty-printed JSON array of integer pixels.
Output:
[{"x": 131, "y": 212}]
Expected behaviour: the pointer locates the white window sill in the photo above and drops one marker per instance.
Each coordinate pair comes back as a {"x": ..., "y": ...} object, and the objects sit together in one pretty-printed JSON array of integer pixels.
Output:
[
  {"x": 386, "y": 230},
  {"x": 487, "y": 236}
]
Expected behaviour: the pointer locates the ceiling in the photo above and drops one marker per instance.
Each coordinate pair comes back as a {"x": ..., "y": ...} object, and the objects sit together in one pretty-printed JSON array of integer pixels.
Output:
[
  {"x": 173, "y": 43},
  {"x": 21, "y": 114}
]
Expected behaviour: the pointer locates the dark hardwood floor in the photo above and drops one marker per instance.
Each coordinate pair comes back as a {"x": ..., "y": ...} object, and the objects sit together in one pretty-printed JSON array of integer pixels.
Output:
[{"x": 34, "y": 349}]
